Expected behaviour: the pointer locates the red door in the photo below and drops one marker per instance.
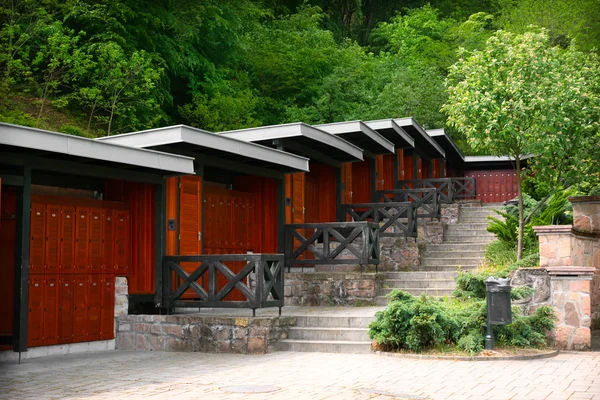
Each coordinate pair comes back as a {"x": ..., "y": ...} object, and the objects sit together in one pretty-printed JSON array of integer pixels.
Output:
[
  {"x": 67, "y": 240},
  {"x": 82, "y": 238},
  {"x": 107, "y": 316},
  {"x": 65, "y": 309},
  {"x": 38, "y": 238},
  {"x": 35, "y": 325},
  {"x": 51, "y": 290},
  {"x": 190, "y": 242},
  {"x": 108, "y": 256},
  {"x": 94, "y": 306},
  {"x": 121, "y": 238},
  {"x": 52, "y": 246},
  {"x": 79, "y": 308},
  {"x": 95, "y": 240}
]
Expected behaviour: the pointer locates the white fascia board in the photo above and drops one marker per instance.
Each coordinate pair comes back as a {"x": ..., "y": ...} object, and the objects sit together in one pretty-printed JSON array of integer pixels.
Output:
[
  {"x": 494, "y": 158},
  {"x": 411, "y": 121},
  {"x": 390, "y": 124},
  {"x": 442, "y": 132},
  {"x": 199, "y": 137},
  {"x": 275, "y": 132},
  {"x": 32, "y": 138},
  {"x": 339, "y": 128}
]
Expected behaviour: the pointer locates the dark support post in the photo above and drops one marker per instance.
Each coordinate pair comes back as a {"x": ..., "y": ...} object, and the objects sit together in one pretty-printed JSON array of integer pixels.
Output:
[
  {"x": 22, "y": 264},
  {"x": 160, "y": 219},
  {"x": 373, "y": 164},
  {"x": 338, "y": 194},
  {"x": 280, "y": 214}
]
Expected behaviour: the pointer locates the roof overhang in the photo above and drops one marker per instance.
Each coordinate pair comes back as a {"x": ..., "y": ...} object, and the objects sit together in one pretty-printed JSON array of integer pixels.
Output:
[
  {"x": 359, "y": 134},
  {"x": 453, "y": 154},
  {"x": 392, "y": 132},
  {"x": 301, "y": 139},
  {"x": 492, "y": 162},
  {"x": 222, "y": 151},
  {"x": 424, "y": 144},
  {"x": 15, "y": 139}
]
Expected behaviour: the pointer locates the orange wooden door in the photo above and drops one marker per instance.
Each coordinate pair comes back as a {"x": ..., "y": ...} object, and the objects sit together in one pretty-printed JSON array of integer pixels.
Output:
[
  {"x": 122, "y": 255},
  {"x": 361, "y": 182},
  {"x": 35, "y": 322},
  {"x": 37, "y": 239},
  {"x": 95, "y": 240},
  {"x": 108, "y": 241},
  {"x": 82, "y": 238},
  {"x": 190, "y": 223},
  {"x": 67, "y": 239},
  {"x": 52, "y": 245},
  {"x": 80, "y": 283},
  {"x": 65, "y": 309},
  {"x": 51, "y": 290},
  {"x": 108, "y": 307},
  {"x": 94, "y": 306}
]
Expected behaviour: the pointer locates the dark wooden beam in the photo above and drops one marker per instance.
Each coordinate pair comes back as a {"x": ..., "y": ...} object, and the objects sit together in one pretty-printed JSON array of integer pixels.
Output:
[
  {"x": 21, "y": 306},
  {"x": 78, "y": 169},
  {"x": 315, "y": 155}
]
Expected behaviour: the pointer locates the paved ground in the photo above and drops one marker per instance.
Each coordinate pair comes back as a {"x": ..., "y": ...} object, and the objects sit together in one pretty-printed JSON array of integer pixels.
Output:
[{"x": 116, "y": 375}]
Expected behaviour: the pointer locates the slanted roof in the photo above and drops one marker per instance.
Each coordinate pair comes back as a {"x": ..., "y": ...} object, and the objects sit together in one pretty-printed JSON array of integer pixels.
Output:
[
  {"x": 453, "y": 154},
  {"x": 392, "y": 132},
  {"x": 213, "y": 149},
  {"x": 423, "y": 143},
  {"x": 359, "y": 134},
  {"x": 301, "y": 139},
  {"x": 492, "y": 162},
  {"x": 18, "y": 140}
]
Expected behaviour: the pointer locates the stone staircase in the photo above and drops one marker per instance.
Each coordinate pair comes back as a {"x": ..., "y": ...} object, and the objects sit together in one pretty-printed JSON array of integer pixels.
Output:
[
  {"x": 463, "y": 247},
  {"x": 328, "y": 334}
]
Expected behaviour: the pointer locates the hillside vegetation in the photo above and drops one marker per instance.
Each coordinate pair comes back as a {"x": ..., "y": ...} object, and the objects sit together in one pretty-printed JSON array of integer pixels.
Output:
[{"x": 111, "y": 66}]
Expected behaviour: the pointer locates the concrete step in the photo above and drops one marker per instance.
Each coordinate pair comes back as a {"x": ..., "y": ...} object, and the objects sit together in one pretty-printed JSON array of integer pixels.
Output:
[
  {"x": 325, "y": 346},
  {"x": 452, "y": 233},
  {"x": 333, "y": 321},
  {"x": 455, "y": 247},
  {"x": 436, "y": 292},
  {"x": 447, "y": 268},
  {"x": 468, "y": 226},
  {"x": 429, "y": 261},
  {"x": 454, "y": 254},
  {"x": 437, "y": 284},
  {"x": 422, "y": 275},
  {"x": 328, "y": 334}
]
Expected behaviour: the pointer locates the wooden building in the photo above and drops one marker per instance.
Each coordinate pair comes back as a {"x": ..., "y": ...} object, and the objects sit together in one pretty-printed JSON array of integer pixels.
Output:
[{"x": 63, "y": 240}]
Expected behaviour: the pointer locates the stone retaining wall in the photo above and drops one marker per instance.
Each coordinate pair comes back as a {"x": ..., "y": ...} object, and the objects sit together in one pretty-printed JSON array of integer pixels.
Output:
[
  {"x": 188, "y": 333},
  {"x": 331, "y": 288}
]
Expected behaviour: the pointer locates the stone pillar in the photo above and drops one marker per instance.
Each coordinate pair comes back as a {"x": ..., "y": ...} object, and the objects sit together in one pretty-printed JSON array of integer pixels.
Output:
[
  {"x": 586, "y": 213},
  {"x": 571, "y": 299},
  {"x": 121, "y": 299},
  {"x": 555, "y": 245}
]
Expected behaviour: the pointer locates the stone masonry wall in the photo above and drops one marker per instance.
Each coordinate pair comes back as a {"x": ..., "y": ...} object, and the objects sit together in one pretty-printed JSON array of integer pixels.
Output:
[
  {"x": 567, "y": 291},
  {"x": 577, "y": 245},
  {"x": 187, "y": 333},
  {"x": 331, "y": 288}
]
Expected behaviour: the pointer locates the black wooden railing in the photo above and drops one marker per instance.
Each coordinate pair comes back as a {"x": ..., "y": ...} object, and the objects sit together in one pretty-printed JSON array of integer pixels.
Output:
[
  {"x": 427, "y": 201},
  {"x": 394, "y": 219},
  {"x": 323, "y": 243},
  {"x": 464, "y": 188},
  {"x": 260, "y": 281},
  {"x": 449, "y": 189}
]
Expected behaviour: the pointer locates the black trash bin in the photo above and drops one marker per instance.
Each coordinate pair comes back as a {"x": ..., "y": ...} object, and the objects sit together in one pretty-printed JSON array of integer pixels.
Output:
[{"x": 499, "y": 311}]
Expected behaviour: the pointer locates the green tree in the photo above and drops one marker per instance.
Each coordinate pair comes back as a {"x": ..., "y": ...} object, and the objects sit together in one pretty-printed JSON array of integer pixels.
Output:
[
  {"x": 59, "y": 61},
  {"x": 521, "y": 95},
  {"x": 122, "y": 86}
]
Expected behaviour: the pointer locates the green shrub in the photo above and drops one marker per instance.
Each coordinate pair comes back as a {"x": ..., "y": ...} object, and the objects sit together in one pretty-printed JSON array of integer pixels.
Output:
[
  {"x": 75, "y": 131},
  {"x": 499, "y": 253},
  {"x": 418, "y": 323},
  {"x": 16, "y": 117},
  {"x": 470, "y": 285},
  {"x": 521, "y": 292}
]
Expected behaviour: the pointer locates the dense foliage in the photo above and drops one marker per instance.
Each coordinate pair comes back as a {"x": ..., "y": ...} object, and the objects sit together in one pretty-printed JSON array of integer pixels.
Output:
[
  {"x": 93, "y": 67},
  {"x": 420, "y": 323}
]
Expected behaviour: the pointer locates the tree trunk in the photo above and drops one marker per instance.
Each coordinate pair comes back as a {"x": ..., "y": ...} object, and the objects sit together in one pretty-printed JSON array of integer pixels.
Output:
[{"x": 521, "y": 212}]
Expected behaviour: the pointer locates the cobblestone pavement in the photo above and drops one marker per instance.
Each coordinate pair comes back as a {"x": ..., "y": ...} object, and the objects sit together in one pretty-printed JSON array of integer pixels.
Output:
[{"x": 287, "y": 375}]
